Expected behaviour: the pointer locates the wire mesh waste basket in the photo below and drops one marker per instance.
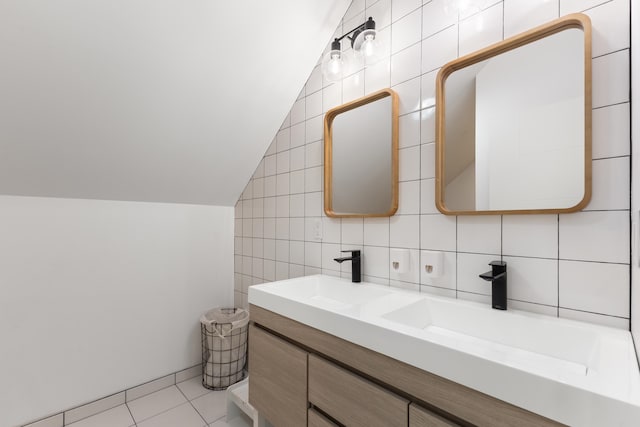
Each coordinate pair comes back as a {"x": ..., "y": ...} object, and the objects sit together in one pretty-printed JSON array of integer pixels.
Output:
[{"x": 224, "y": 346}]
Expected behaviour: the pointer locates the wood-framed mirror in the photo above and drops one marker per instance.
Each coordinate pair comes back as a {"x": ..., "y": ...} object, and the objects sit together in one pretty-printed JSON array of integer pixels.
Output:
[
  {"x": 513, "y": 124},
  {"x": 361, "y": 157}
]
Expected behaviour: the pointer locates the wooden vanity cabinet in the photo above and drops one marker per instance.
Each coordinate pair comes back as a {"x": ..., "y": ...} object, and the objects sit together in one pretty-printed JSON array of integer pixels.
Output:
[
  {"x": 302, "y": 376},
  {"x": 278, "y": 380},
  {"x": 352, "y": 400},
  {"x": 420, "y": 417}
]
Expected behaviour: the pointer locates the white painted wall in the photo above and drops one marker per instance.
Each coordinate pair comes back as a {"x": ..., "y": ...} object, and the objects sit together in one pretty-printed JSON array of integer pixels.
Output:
[
  {"x": 149, "y": 100},
  {"x": 97, "y": 296}
]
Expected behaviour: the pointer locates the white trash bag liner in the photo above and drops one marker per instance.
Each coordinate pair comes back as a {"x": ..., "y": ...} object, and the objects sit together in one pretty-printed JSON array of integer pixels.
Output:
[{"x": 224, "y": 346}]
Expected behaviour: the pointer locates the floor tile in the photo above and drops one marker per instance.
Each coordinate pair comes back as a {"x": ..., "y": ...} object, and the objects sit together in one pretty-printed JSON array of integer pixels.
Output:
[
  {"x": 183, "y": 416},
  {"x": 193, "y": 388},
  {"x": 116, "y": 417},
  {"x": 155, "y": 403},
  {"x": 212, "y": 406}
]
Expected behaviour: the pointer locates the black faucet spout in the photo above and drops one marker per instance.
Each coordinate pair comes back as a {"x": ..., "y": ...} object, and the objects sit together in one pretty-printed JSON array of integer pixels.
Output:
[
  {"x": 498, "y": 278},
  {"x": 355, "y": 264}
]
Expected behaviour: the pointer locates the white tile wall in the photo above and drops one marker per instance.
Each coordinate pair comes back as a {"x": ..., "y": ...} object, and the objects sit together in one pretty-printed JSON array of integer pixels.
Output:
[{"x": 573, "y": 266}]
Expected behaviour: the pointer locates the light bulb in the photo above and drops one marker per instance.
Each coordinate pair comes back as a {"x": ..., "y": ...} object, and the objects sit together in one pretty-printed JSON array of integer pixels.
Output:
[{"x": 334, "y": 65}]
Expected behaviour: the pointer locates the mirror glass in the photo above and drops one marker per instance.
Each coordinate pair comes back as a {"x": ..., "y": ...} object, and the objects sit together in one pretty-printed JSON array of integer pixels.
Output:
[
  {"x": 361, "y": 157},
  {"x": 514, "y": 124}
]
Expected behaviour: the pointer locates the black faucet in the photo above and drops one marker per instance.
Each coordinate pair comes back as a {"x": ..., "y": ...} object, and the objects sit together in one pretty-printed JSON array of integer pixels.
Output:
[
  {"x": 498, "y": 278},
  {"x": 355, "y": 264}
]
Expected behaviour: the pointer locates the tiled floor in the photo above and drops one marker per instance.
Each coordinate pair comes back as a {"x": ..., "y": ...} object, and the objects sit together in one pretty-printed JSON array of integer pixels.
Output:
[{"x": 186, "y": 404}]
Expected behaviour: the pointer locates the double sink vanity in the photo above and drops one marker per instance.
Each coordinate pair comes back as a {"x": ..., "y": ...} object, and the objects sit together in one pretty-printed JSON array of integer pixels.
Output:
[
  {"x": 327, "y": 352},
  {"x": 324, "y": 351}
]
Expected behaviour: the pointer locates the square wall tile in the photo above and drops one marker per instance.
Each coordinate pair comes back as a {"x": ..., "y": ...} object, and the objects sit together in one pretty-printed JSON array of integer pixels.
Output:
[
  {"x": 448, "y": 277},
  {"x": 611, "y": 29},
  {"x": 313, "y": 254},
  {"x": 404, "y": 231},
  {"x": 296, "y": 252},
  {"x": 296, "y": 205},
  {"x": 353, "y": 87},
  {"x": 520, "y": 16},
  {"x": 313, "y": 130},
  {"x": 297, "y": 112},
  {"x": 296, "y": 158},
  {"x": 406, "y": 31},
  {"x": 532, "y": 280},
  {"x": 405, "y": 64},
  {"x": 409, "y": 160},
  {"x": 298, "y": 135},
  {"x": 377, "y": 76},
  {"x": 595, "y": 287},
  {"x": 480, "y": 234},
  {"x": 282, "y": 270},
  {"x": 598, "y": 319},
  {"x": 296, "y": 270},
  {"x": 428, "y": 161},
  {"x": 436, "y": 16},
  {"x": 408, "y": 95},
  {"x": 269, "y": 231},
  {"x": 439, "y": 48},
  {"x": 470, "y": 267},
  {"x": 610, "y": 79},
  {"x": 296, "y": 229},
  {"x": 611, "y": 131},
  {"x": 313, "y": 204},
  {"x": 314, "y": 83},
  {"x": 313, "y": 105},
  {"x": 269, "y": 270},
  {"x": 282, "y": 161},
  {"x": 428, "y": 125},
  {"x": 441, "y": 292},
  {"x": 376, "y": 231},
  {"x": 438, "y": 232},
  {"x": 329, "y": 252},
  {"x": 331, "y": 96},
  {"x": 547, "y": 310},
  {"x": 428, "y": 196},
  {"x": 409, "y": 132},
  {"x": 314, "y": 154},
  {"x": 530, "y": 235},
  {"x": 428, "y": 94},
  {"x": 331, "y": 229},
  {"x": 282, "y": 206},
  {"x": 352, "y": 231},
  {"x": 611, "y": 180},
  {"x": 296, "y": 182},
  {"x": 400, "y": 8},
  {"x": 282, "y": 229},
  {"x": 408, "y": 198},
  {"x": 313, "y": 179},
  {"x": 283, "y": 140},
  {"x": 481, "y": 30},
  {"x": 595, "y": 236},
  {"x": 572, "y": 6},
  {"x": 270, "y": 186},
  {"x": 381, "y": 11}
]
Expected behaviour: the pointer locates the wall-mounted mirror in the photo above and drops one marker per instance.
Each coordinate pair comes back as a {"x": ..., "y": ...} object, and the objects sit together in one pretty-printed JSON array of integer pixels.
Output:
[
  {"x": 513, "y": 124},
  {"x": 361, "y": 157}
]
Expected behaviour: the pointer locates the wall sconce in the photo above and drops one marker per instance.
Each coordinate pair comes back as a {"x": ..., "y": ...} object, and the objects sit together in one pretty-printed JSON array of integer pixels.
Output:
[{"x": 366, "y": 48}]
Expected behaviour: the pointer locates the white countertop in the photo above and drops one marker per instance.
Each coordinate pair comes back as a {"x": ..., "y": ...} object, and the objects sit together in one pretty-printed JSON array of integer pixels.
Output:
[{"x": 575, "y": 373}]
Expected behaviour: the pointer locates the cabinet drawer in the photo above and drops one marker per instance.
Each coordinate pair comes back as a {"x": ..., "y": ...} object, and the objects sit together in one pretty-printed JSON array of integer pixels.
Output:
[
  {"x": 420, "y": 417},
  {"x": 277, "y": 379},
  {"x": 318, "y": 420},
  {"x": 352, "y": 400}
]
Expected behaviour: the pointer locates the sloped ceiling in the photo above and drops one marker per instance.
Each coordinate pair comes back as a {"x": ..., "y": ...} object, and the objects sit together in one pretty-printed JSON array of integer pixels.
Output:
[{"x": 149, "y": 100}]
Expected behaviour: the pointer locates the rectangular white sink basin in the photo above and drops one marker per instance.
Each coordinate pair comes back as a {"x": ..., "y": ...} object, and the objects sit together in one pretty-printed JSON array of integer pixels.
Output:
[
  {"x": 576, "y": 373},
  {"x": 540, "y": 344}
]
